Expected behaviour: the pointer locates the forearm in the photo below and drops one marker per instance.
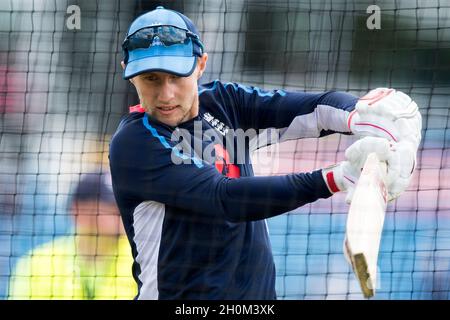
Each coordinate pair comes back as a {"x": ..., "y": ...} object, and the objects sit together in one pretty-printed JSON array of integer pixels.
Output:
[
  {"x": 255, "y": 198},
  {"x": 317, "y": 115},
  {"x": 205, "y": 192}
]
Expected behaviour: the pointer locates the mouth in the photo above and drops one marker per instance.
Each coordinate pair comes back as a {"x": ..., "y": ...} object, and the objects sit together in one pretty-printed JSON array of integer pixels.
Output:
[{"x": 166, "y": 110}]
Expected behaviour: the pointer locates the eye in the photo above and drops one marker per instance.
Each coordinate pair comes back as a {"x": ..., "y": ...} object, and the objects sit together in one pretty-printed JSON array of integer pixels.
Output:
[{"x": 150, "y": 77}]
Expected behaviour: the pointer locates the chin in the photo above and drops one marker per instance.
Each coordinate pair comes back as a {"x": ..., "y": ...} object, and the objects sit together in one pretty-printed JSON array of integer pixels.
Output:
[
  {"x": 175, "y": 121},
  {"x": 171, "y": 122}
]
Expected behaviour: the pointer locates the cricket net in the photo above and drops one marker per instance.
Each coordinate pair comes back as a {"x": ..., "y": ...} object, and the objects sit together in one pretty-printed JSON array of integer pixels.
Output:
[{"x": 62, "y": 95}]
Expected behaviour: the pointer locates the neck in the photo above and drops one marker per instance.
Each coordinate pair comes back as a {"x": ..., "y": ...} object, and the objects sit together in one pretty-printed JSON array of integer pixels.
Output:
[{"x": 194, "y": 109}]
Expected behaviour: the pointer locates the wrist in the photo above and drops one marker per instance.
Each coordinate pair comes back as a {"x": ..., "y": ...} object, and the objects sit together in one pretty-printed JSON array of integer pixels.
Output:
[{"x": 330, "y": 176}]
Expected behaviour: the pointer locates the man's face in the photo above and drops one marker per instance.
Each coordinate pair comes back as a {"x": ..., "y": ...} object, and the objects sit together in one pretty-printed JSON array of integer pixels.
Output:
[
  {"x": 97, "y": 218},
  {"x": 168, "y": 98}
]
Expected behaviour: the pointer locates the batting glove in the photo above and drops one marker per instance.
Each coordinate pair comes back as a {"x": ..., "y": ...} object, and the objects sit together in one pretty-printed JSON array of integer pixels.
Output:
[
  {"x": 344, "y": 175},
  {"x": 389, "y": 114}
]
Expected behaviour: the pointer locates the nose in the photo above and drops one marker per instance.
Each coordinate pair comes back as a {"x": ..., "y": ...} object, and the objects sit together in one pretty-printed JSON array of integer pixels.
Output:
[{"x": 166, "y": 92}]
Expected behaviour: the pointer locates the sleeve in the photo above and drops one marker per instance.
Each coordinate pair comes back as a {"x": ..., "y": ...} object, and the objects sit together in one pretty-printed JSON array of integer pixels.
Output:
[
  {"x": 296, "y": 114},
  {"x": 146, "y": 172}
]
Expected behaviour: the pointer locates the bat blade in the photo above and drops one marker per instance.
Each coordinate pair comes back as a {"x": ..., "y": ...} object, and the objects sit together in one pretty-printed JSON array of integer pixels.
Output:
[{"x": 365, "y": 223}]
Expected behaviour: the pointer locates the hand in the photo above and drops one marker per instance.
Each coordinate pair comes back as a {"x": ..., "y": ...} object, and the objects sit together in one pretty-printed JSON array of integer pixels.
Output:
[
  {"x": 389, "y": 114},
  {"x": 344, "y": 175},
  {"x": 341, "y": 177},
  {"x": 400, "y": 169},
  {"x": 399, "y": 157}
]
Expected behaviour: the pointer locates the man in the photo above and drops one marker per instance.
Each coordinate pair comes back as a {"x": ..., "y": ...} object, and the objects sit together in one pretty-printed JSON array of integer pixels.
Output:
[
  {"x": 93, "y": 264},
  {"x": 192, "y": 209}
]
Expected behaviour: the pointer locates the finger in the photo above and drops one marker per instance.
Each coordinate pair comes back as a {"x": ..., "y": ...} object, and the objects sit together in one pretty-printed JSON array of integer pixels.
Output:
[
  {"x": 349, "y": 196},
  {"x": 358, "y": 152}
]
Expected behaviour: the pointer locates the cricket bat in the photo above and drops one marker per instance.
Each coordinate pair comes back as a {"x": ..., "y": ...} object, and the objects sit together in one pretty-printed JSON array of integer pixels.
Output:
[{"x": 365, "y": 223}]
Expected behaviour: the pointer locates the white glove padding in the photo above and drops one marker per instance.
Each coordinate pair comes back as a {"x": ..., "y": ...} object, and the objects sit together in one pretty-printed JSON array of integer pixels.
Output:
[
  {"x": 341, "y": 177},
  {"x": 400, "y": 160},
  {"x": 400, "y": 168},
  {"x": 399, "y": 157},
  {"x": 389, "y": 114}
]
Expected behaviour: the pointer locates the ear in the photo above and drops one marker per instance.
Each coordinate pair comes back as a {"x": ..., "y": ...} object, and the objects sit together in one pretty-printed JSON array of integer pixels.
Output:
[
  {"x": 202, "y": 65},
  {"x": 123, "y": 67}
]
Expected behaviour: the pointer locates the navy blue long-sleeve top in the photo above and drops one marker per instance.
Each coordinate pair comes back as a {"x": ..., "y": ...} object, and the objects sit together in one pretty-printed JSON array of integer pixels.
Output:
[{"x": 193, "y": 210}]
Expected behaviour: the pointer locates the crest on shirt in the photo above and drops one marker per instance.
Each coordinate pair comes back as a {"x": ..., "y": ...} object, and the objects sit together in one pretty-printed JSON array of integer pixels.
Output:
[{"x": 216, "y": 124}]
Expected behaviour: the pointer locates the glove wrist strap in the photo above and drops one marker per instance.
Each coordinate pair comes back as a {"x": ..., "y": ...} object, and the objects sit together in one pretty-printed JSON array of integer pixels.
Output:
[{"x": 329, "y": 177}]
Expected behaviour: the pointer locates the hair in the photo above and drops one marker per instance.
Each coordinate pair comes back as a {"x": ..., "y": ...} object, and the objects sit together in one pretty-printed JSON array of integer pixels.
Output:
[{"x": 94, "y": 186}]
